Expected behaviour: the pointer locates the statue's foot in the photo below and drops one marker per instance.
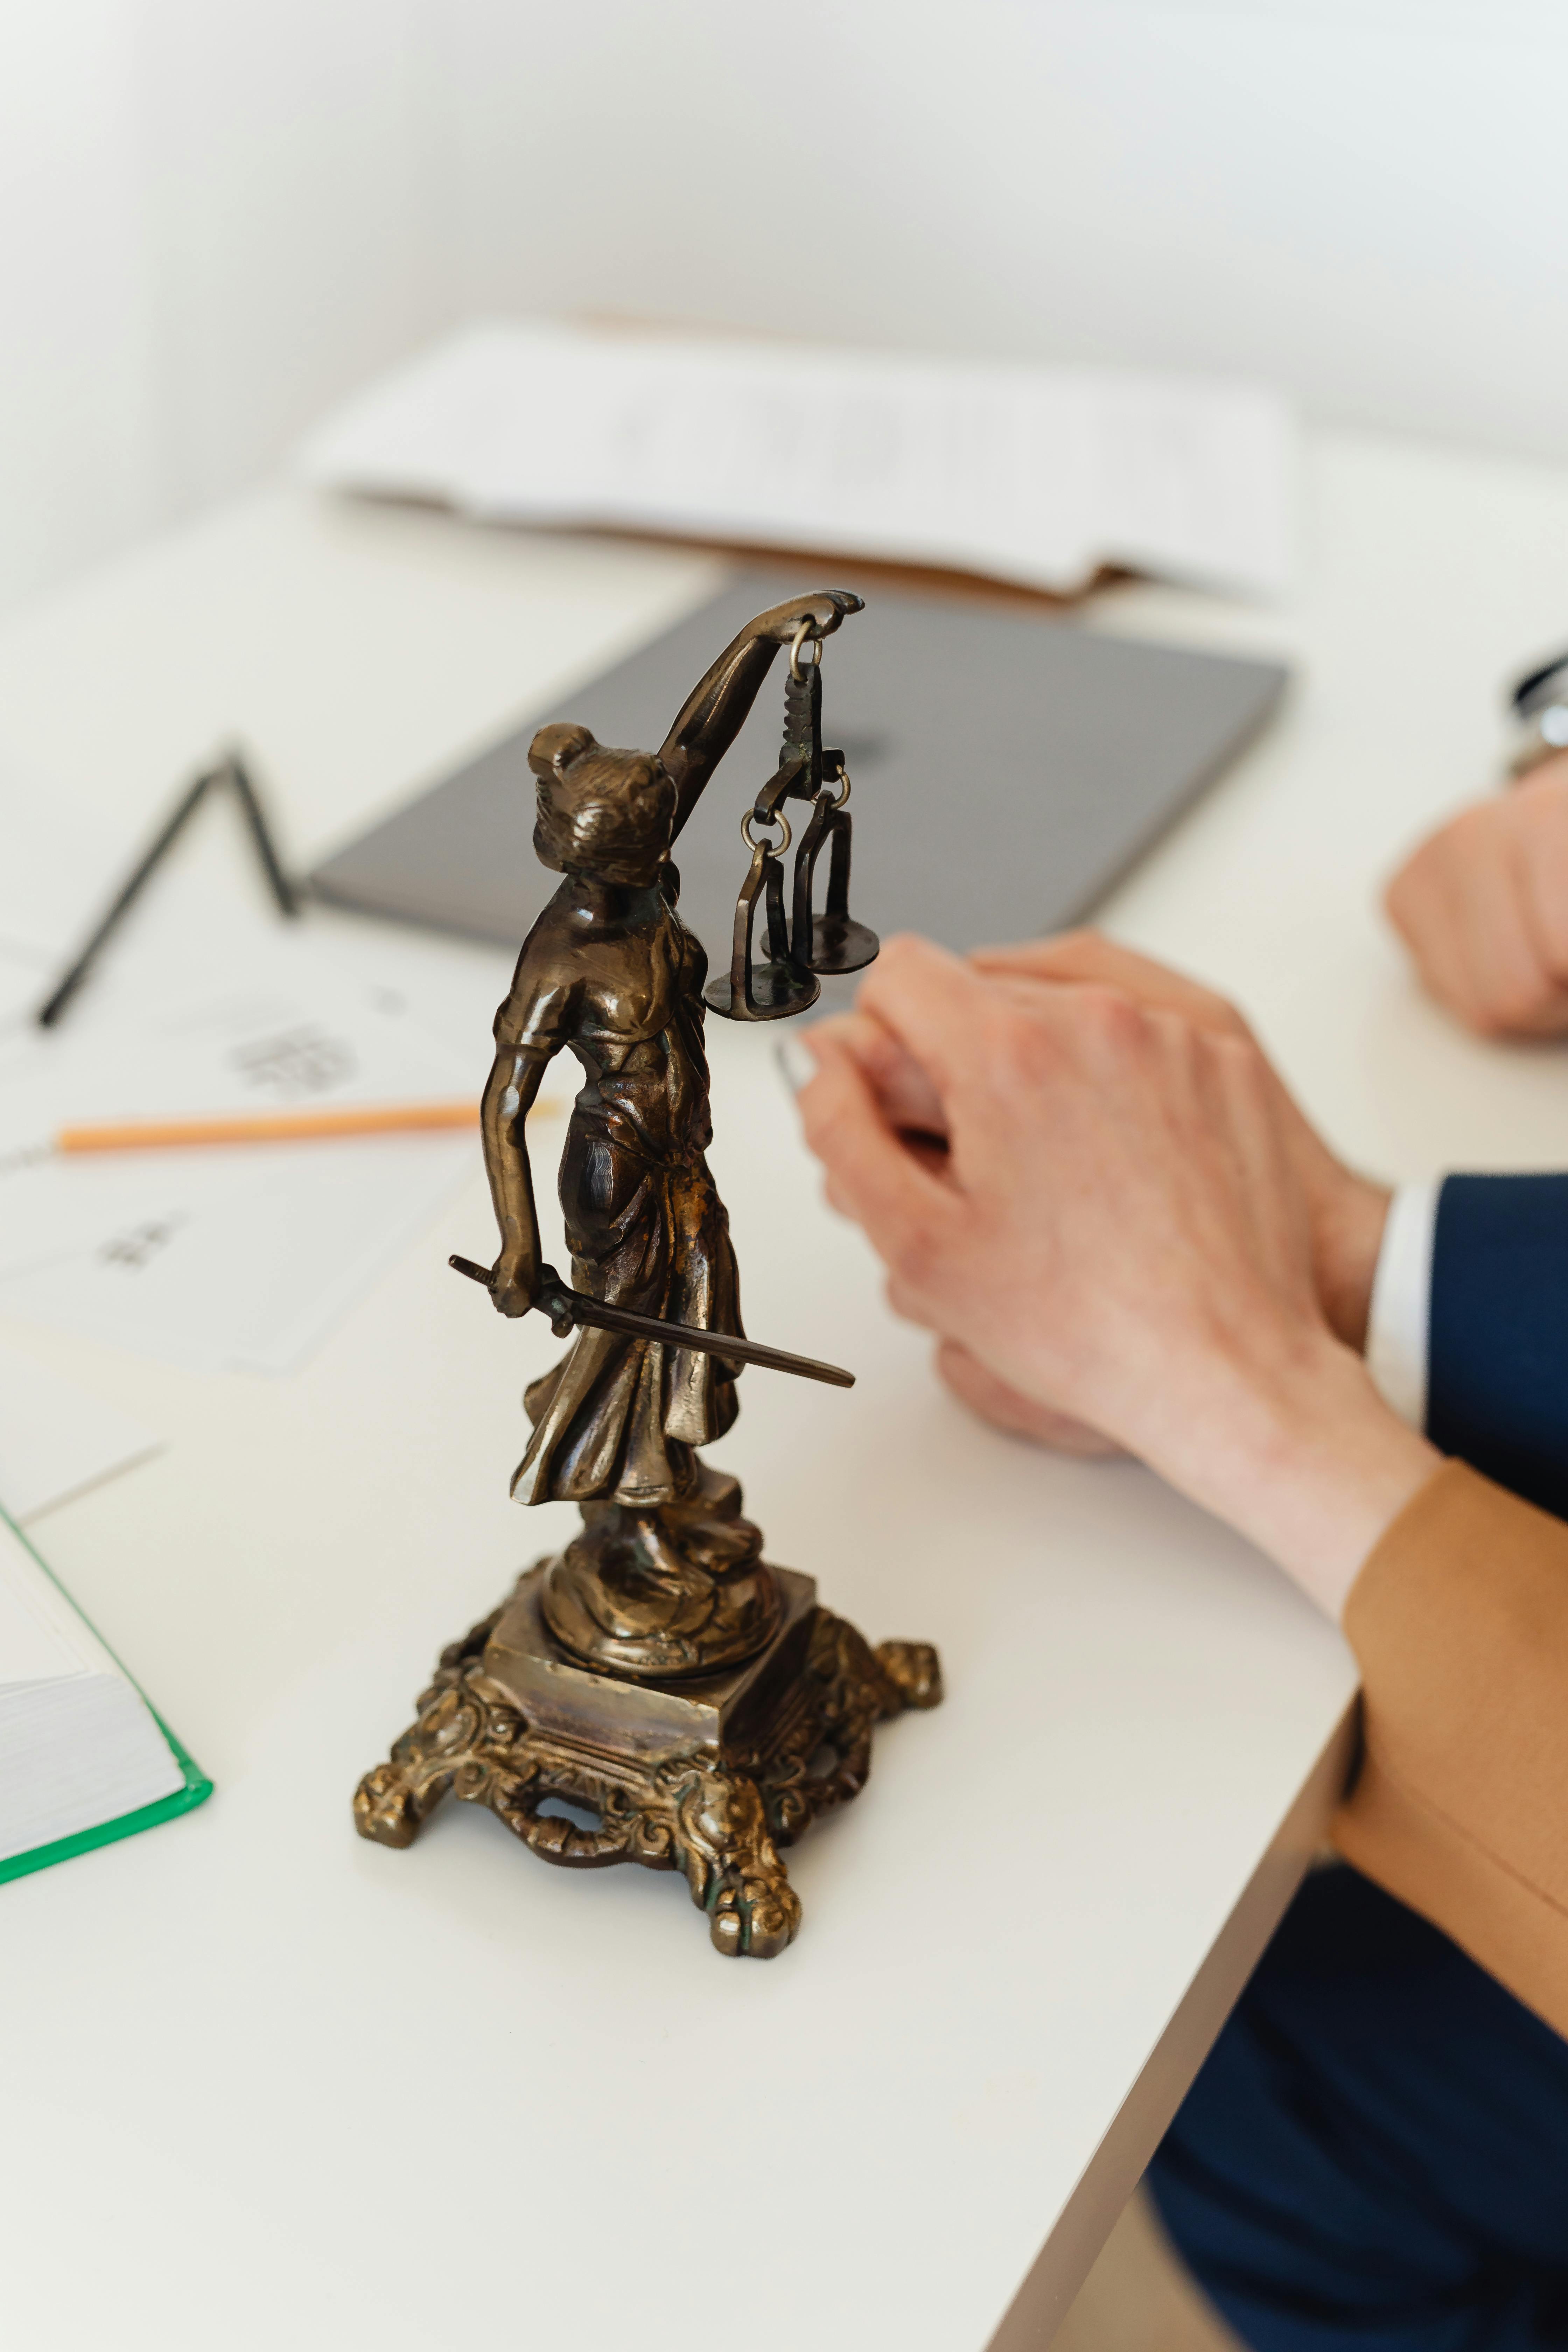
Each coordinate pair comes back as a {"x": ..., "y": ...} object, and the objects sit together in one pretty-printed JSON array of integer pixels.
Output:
[
  {"x": 914, "y": 1670},
  {"x": 663, "y": 1590},
  {"x": 386, "y": 1806},
  {"x": 733, "y": 1868}
]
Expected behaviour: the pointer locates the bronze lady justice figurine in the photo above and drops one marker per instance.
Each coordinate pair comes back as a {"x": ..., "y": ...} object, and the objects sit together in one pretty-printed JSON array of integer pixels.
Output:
[
  {"x": 666, "y": 1579},
  {"x": 657, "y": 1670}
]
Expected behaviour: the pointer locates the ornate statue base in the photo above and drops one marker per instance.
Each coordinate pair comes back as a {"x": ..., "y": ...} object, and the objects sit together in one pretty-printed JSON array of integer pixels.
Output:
[{"x": 710, "y": 1775}]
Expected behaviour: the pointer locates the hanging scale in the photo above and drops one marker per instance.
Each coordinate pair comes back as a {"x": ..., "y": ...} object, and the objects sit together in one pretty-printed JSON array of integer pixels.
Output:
[{"x": 804, "y": 943}]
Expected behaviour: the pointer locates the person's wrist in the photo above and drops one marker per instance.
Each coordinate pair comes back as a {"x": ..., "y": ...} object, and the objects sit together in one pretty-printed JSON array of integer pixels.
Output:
[{"x": 1313, "y": 1466}]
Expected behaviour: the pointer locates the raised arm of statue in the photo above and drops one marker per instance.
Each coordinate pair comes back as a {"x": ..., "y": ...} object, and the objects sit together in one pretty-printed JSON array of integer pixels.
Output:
[{"x": 715, "y": 710}]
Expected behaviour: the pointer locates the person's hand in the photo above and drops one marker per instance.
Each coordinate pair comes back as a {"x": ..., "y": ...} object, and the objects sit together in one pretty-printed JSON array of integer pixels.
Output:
[
  {"x": 1115, "y": 1234},
  {"x": 1483, "y": 907},
  {"x": 909, "y": 1103},
  {"x": 1346, "y": 1212}
]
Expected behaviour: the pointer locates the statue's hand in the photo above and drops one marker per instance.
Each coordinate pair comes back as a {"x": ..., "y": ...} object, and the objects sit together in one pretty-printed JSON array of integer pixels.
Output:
[
  {"x": 823, "y": 611},
  {"x": 514, "y": 1285}
]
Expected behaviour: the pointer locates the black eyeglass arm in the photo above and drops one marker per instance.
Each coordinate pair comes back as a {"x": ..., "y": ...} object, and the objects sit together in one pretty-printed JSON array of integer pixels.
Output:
[{"x": 230, "y": 770}]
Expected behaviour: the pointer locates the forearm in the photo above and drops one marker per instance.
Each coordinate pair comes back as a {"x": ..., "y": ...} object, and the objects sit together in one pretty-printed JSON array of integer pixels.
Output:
[
  {"x": 512, "y": 1086},
  {"x": 716, "y": 709},
  {"x": 713, "y": 715}
]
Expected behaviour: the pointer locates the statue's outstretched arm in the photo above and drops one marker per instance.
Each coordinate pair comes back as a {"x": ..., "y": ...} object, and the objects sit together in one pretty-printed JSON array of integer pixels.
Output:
[
  {"x": 716, "y": 709},
  {"x": 511, "y": 1088}
]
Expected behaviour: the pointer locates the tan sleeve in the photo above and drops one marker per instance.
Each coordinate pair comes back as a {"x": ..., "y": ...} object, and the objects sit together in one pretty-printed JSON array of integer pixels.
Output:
[{"x": 1459, "y": 1620}]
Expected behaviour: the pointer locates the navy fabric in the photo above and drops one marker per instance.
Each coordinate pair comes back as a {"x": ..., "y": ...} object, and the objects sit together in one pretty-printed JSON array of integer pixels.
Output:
[
  {"x": 1374, "y": 2158},
  {"x": 1498, "y": 1361}
]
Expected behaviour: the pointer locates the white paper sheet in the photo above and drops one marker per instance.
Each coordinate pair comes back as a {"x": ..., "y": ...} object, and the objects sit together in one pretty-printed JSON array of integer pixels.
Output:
[
  {"x": 25, "y": 977},
  {"x": 236, "y": 1256},
  {"x": 59, "y": 865},
  {"x": 57, "y": 1439},
  {"x": 1032, "y": 475}
]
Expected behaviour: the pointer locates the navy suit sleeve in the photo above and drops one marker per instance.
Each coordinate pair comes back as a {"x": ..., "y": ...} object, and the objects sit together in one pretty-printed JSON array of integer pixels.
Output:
[{"x": 1497, "y": 1393}]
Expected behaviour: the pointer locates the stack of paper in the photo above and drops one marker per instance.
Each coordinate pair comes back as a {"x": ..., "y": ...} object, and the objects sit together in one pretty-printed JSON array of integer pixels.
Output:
[
  {"x": 221, "y": 1256},
  {"x": 1035, "y": 476}
]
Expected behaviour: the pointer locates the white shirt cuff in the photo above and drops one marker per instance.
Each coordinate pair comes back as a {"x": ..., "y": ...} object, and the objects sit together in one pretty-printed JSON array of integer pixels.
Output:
[{"x": 1400, "y": 1320}]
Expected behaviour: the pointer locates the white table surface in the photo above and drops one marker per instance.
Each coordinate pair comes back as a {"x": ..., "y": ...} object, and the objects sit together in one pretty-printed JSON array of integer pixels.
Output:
[{"x": 265, "y": 2084}]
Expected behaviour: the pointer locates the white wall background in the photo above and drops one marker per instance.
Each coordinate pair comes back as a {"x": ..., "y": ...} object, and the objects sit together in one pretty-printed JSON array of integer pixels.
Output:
[{"x": 216, "y": 215}]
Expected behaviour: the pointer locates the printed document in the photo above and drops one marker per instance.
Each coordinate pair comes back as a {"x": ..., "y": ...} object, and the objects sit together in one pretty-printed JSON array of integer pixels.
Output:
[
  {"x": 1037, "y": 476},
  {"x": 234, "y": 1257}
]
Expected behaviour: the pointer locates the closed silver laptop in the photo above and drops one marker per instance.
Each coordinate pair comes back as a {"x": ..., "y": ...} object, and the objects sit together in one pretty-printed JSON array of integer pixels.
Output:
[{"x": 1006, "y": 771}]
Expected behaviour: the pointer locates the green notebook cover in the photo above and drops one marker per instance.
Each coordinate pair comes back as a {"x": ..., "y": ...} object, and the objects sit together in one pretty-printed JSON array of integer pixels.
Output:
[{"x": 198, "y": 1787}]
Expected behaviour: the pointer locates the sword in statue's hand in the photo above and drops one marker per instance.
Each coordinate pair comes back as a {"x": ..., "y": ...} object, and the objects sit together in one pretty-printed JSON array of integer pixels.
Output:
[{"x": 567, "y": 1307}]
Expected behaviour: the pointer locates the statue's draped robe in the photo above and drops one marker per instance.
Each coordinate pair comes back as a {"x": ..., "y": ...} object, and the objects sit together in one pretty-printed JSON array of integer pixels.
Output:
[{"x": 644, "y": 1225}]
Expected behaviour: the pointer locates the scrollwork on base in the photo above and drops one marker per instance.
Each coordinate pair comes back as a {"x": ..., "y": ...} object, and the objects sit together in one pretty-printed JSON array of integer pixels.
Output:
[{"x": 719, "y": 1819}]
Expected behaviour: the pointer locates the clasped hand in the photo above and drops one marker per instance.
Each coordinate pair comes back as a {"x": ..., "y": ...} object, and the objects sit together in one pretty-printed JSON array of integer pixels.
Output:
[{"x": 1083, "y": 1176}]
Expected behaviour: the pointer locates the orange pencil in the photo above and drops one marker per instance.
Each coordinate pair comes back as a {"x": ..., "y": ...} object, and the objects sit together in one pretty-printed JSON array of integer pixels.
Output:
[{"x": 270, "y": 1127}]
